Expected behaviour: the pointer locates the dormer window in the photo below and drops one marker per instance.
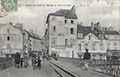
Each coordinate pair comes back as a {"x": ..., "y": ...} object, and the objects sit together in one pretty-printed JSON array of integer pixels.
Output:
[
  {"x": 80, "y": 35},
  {"x": 101, "y": 36}
]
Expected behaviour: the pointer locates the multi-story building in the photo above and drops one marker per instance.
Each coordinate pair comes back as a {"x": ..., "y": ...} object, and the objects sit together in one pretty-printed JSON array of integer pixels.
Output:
[
  {"x": 93, "y": 39},
  {"x": 16, "y": 39},
  {"x": 61, "y": 31},
  {"x": 113, "y": 38},
  {"x": 65, "y": 38},
  {"x": 34, "y": 44},
  {"x": 9, "y": 36}
]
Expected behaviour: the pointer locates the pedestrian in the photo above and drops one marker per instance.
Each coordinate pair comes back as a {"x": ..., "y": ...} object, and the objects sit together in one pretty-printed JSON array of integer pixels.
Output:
[
  {"x": 39, "y": 62},
  {"x": 86, "y": 58},
  {"x": 26, "y": 61},
  {"x": 21, "y": 62},
  {"x": 17, "y": 59},
  {"x": 34, "y": 61}
]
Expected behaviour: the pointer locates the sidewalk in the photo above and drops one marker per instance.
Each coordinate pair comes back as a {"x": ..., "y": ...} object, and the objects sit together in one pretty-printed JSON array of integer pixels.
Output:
[{"x": 80, "y": 72}]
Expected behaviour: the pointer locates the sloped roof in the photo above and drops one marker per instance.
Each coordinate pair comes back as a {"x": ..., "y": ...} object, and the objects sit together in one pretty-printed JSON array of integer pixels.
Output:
[
  {"x": 87, "y": 29},
  {"x": 63, "y": 12},
  {"x": 84, "y": 30},
  {"x": 114, "y": 52},
  {"x": 30, "y": 35},
  {"x": 111, "y": 33},
  {"x": 2, "y": 25}
]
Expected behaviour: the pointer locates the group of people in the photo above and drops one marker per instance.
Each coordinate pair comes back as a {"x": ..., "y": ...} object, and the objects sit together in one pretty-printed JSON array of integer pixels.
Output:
[
  {"x": 24, "y": 61},
  {"x": 36, "y": 61},
  {"x": 20, "y": 61}
]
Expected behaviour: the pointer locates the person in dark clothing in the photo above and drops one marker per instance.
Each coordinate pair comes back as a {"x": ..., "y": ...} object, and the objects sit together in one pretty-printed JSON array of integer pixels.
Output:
[
  {"x": 87, "y": 56},
  {"x": 38, "y": 63},
  {"x": 34, "y": 61},
  {"x": 17, "y": 59},
  {"x": 21, "y": 62}
]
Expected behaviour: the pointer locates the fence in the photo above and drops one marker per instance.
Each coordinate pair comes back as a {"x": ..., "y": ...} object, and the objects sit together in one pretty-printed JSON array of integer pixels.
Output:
[
  {"x": 101, "y": 66},
  {"x": 6, "y": 62}
]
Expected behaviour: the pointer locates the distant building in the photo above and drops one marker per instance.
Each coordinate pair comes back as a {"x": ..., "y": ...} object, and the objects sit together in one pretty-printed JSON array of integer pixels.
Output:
[
  {"x": 34, "y": 45},
  {"x": 11, "y": 39},
  {"x": 98, "y": 40},
  {"x": 61, "y": 32},
  {"x": 93, "y": 39},
  {"x": 16, "y": 39},
  {"x": 113, "y": 39}
]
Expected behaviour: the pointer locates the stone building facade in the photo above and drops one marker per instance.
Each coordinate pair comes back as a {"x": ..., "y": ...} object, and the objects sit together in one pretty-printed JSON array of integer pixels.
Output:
[
  {"x": 61, "y": 31},
  {"x": 9, "y": 36}
]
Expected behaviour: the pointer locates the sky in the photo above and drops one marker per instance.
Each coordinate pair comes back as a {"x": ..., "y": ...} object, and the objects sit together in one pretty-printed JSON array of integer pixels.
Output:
[{"x": 33, "y": 13}]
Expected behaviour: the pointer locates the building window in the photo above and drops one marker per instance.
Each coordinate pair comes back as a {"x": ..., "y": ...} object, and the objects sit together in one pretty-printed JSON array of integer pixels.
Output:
[
  {"x": 1, "y": 52},
  {"x": 108, "y": 43},
  {"x": 80, "y": 47},
  {"x": 80, "y": 35},
  {"x": 108, "y": 48},
  {"x": 54, "y": 29},
  {"x": 65, "y": 21},
  {"x": 53, "y": 41},
  {"x": 30, "y": 44},
  {"x": 115, "y": 43},
  {"x": 101, "y": 46},
  {"x": 86, "y": 45},
  {"x": 8, "y": 30},
  {"x": 93, "y": 47},
  {"x": 30, "y": 49},
  {"x": 66, "y": 30},
  {"x": 30, "y": 40},
  {"x": 8, "y": 46},
  {"x": 71, "y": 42},
  {"x": 72, "y": 30},
  {"x": 66, "y": 41},
  {"x": 89, "y": 37},
  {"x": 8, "y": 38},
  {"x": 72, "y": 22}
]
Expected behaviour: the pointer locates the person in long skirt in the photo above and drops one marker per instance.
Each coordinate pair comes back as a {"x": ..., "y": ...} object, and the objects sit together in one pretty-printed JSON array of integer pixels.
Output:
[
  {"x": 26, "y": 62},
  {"x": 39, "y": 62},
  {"x": 34, "y": 61},
  {"x": 17, "y": 59}
]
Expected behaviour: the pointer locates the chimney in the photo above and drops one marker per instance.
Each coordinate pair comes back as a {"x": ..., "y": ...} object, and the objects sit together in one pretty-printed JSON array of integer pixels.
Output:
[
  {"x": 10, "y": 23},
  {"x": 111, "y": 28},
  {"x": 19, "y": 25},
  {"x": 31, "y": 31},
  {"x": 73, "y": 8},
  {"x": 92, "y": 26}
]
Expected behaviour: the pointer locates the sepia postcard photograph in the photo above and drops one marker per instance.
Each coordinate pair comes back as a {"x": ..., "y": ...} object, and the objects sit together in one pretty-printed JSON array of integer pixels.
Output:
[{"x": 59, "y": 38}]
